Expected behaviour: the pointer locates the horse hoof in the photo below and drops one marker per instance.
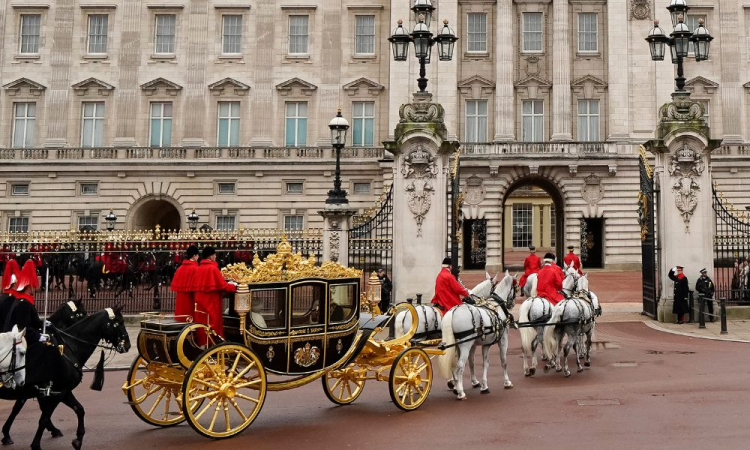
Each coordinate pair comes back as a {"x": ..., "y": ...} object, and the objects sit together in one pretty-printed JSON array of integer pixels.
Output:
[
  {"x": 462, "y": 397},
  {"x": 475, "y": 386},
  {"x": 56, "y": 433},
  {"x": 547, "y": 367},
  {"x": 485, "y": 391},
  {"x": 451, "y": 386},
  {"x": 76, "y": 444},
  {"x": 580, "y": 369},
  {"x": 559, "y": 369},
  {"x": 509, "y": 386},
  {"x": 567, "y": 373},
  {"x": 7, "y": 441},
  {"x": 527, "y": 373},
  {"x": 532, "y": 371},
  {"x": 587, "y": 363}
]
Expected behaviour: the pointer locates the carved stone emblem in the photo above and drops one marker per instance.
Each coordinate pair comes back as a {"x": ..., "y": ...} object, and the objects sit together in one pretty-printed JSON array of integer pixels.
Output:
[
  {"x": 681, "y": 108},
  {"x": 475, "y": 191},
  {"x": 640, "y": 9},
  {"x": 685, "y": 166},
  {"x": 419, "y": 168},
  {"x": 307, "y": 355},
  {"x": 592, "y": 190},
  {"x": 335, "y": 243},
  {"x": 422, "y": 110}
]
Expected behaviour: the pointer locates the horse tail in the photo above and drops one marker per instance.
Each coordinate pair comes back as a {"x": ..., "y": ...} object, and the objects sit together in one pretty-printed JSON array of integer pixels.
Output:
[
  {"x": 400, "y": 323},
  {"x": 527, "y": 333},
  {"x": 532, "y": 289},
  {"x": 447, "y": 361},
  {"x": 550, "y": 339}
]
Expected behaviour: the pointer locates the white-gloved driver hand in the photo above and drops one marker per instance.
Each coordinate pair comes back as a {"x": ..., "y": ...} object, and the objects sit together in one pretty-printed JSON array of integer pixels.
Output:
[{"x": 43, "y": 338}]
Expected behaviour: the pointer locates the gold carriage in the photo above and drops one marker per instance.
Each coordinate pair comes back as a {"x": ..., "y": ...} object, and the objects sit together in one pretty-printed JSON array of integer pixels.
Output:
[{"x": 291, "y": 323}]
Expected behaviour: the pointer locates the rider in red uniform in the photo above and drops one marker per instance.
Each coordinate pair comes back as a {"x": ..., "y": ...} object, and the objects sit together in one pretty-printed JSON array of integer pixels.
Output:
[
  {"x": 571, "y": 259},
  {"x": 531, "y": 265},
  {"x": 549, "y": 280},
  {"x": 184, "y": 284},
  {"x": 448, "y": 291}
]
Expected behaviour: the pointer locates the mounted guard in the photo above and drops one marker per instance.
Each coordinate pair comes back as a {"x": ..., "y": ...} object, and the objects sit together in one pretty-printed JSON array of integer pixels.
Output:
[
  {"x": 448, "y": 291},
  {"x": 550, "y": 279}
]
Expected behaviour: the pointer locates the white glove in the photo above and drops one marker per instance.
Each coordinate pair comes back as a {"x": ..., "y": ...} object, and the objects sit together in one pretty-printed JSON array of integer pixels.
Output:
[
  {"x": 233, "y": 283},
  {"x": 43, "y": 338},
  {"x": 674, "y": 269}
]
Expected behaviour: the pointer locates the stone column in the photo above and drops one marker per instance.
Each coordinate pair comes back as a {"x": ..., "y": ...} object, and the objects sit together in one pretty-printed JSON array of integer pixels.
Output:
[
  {"x": 330, "y": 76},
  {"x": 618, "y": 71},
  {"x": 128, "y": 92},
  {"x": 683, "y": 157},
  {"x": 58, "y": 95},
  {"x": 731, "y": 88},
  {"x": 561, "y": 118},
  {"x": 421, "y": 151},
  {"x": 195, "y": 90},
  {"x": 264, "y": 55},
  {"x": 336, "y": 225},
  {"x": 445, "y": 73},
  {"x": 504, "y": 93}
]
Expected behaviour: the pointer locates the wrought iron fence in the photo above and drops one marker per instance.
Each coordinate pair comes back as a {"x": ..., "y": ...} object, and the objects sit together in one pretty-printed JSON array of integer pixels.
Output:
[
  {"x": 135, "y": 268},
  {"x": 371, "y": 238},
  {"x": 731, "y": 251}
]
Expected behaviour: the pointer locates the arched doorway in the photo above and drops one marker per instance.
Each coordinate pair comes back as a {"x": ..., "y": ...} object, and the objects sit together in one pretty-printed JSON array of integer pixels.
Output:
[
  {"x": 151, "y": 211},
  {"x": 533, "y": 214}
]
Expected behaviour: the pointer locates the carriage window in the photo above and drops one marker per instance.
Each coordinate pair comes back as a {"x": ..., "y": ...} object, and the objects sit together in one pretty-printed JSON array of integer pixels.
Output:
[
  {"x": 307, "y": 301},
  {"x": 342, "y": 300},
  {"x": 267, "y": 308}
]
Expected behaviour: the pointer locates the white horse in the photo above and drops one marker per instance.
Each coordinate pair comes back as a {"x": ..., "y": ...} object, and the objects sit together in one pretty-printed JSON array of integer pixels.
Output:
[
  {"x": 13, "y": 354},
  {"x": 529, "y": 289},
  {"x": 466, "y": 326},
  {"x": 538, "y": 310}
]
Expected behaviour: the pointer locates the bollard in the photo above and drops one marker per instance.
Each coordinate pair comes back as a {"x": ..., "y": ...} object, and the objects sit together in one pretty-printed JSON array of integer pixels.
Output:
[
  {"x": 701, "y": 308},
  {"x": 723, "y": 303},
  {"x": 419, "y": 299}
]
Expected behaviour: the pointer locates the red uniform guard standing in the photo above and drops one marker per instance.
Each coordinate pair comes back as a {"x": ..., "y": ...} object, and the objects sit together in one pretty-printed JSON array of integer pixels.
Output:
[
  {"x": 571, "y": 260},
  {"x": 448, "y": 291},
  {"x": 549, "y": 280},
  {"x": 531, "y": 265},
  {"x": 184, "y": 285},
  {"x": 210, "y": 291}
]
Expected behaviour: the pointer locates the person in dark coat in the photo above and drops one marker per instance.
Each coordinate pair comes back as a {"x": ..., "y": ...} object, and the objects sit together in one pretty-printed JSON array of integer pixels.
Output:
[
  {"x": 681, "y": 292},
  {"x": 705, "y": 287},
  {"x": 385, "y": 290}
]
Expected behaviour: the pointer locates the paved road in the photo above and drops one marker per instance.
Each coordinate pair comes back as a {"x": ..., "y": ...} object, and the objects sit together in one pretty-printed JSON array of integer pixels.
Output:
[{"x": 646, "y": 390}]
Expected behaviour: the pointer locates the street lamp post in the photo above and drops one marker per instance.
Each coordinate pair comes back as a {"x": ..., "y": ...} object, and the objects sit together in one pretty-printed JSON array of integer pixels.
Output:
[
  {"x": 423, "y": 40},
  {"x": 111, "y": 219},
  {"x": 679, "y": 41},
  {"x": 192, "y": 219},
  {"x": 339, "y": 127}
]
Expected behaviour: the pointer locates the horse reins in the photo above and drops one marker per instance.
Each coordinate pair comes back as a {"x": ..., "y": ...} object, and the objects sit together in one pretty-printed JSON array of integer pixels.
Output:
[{"x": 12, "y": 367}]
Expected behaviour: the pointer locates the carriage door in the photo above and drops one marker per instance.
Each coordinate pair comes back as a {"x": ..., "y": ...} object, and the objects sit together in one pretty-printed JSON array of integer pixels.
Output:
[
  {"x": 475, "y": 244},
  {"x": 592, "y": 243}
]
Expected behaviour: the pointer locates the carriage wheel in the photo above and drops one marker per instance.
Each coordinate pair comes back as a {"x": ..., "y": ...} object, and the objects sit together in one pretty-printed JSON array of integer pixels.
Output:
[
  {"x": 411, "y": 379},
  {"x": 155, "y": 403},
  {"x": 231, "y": 381},
  {"x": 343, "y": 386}
]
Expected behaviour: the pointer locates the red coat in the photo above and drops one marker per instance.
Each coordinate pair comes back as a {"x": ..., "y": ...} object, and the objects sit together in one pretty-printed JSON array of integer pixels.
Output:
[
  {"x": 448, "y": 290},
  {"x": 183, "y": 284},
  {"x": 549, "y": 283},
  {"x": 571, "y": 259},
  {"x": 532, "y": 264},
  {"x": 210, "y": 289}
]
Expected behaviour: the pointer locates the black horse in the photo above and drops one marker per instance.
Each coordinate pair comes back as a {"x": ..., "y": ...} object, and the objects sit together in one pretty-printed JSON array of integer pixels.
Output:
[
  {"x": 65, "y": 316},
  {"x": 65, "y": 373}
]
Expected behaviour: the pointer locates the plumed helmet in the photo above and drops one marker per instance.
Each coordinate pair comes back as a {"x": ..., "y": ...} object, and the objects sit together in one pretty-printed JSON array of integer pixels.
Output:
[
  {"x": 11, "y": 274},
  {"x": 28, "y": 277}
]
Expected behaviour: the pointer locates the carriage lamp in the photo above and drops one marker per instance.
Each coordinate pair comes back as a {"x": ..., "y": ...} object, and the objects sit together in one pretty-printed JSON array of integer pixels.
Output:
[
  {"x": 374, "y": 293},
  {"x": 111, "y": 219},
  {"x": 192, "y": 219},
  {"x": 339, "y": 127},
  {"x": 423, "y": 8},
  {"x": 679, "y": 41},
  {"x": 242, "y": 304}
]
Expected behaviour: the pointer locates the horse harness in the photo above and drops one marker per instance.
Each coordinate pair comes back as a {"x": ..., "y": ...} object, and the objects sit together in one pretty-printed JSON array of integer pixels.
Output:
[
  {"x": 427, "y": 331},
  {"x": 12, "y": 368}
]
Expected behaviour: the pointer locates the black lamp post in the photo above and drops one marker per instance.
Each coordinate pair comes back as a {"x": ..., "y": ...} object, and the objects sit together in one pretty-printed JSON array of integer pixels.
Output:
[
  {"x": 423, "y": 40},
  {"x": 111, "y": 219},
  {"x": 192, "y": 219},
  {"x": 339, "y": 127},
  {"x": 679, "y": 41}
]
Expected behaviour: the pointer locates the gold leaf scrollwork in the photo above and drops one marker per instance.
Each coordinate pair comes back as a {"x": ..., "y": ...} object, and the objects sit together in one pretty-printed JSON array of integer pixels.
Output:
[{"x": 307, "y": 355}]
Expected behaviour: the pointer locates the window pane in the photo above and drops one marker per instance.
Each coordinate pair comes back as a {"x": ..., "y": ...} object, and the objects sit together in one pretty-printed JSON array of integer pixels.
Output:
[
  {"x": 298, "y": 34},
  {"x": 301, "y": 132},
  {"x": 369, "y": 131},
  {"x": 232, "y": 34},
  {"x": 155, "y": 133},
  {"x": 290, "y": 132},
  {"x": 30, "y": 29},
  {"x": 223, "y": 132},
  {"x": 98, "y": 24},
  {"x": 482, "y": 129},
  {"x": 234, "y": 132},
  {"x": 165, "y": 32},
  {"x": 357, "y": 130},
  {"x": 477, "y": 32},
  {"x": 532, "y": 32},
  {"x": 166, "y": 134},
  {"x": 365, "y": 35}
]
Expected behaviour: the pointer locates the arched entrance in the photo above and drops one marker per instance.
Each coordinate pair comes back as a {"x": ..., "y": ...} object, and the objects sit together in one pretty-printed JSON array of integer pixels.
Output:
[
  {"x": 155, "y": 210},
  {"x": 533, "y": 214}
]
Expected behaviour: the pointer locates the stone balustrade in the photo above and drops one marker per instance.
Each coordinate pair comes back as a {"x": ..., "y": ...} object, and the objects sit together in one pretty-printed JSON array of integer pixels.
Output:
[{"x": 541, "y": 148}]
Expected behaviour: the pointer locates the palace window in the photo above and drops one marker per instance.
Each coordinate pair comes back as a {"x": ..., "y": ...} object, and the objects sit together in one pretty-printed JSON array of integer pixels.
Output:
[
  {"x": 227, "y": 188},
  {"x": 19, "y": 189},
  {"x": 587, "y": 33},
  {"x": 532, "y": 32},
  {"x": 232, "y": 35},
  {"x": 553, "y": 226},
  {"x": 161, "y": 124},
  {"x": 229, "y": 124},
  {"x": 364, "y": 36},
  {"x": 226, "y": 222},
  {"x": 361, "y": 188},
  {"x": 522, "y": 224},
  {"x": 294, "y": 222},
  {"x": 24, "y": 123},
  {"x": 588, "y": 120},
  {"x": 298, "y": 35},
  {"x": 18, "y": 224},
  {"x": 89, "y": 188},
  {"x": 477, "y": 32},
  {"x": 98, "y": 27},
  {"x": 476, "y": 121},
  {"x": 295, "y": 187},
  {"x": 92, "y": 126},
  {"x": 30, "y": 32},
  {"x": 533, "y": 121},
  {"x": 296, "y": 124},
  {"x": 692, "y": 23},
  {"x": 88, "y": 223},
  {"x": 165, "y": 33},
  {"x": 363, "y": 126}
]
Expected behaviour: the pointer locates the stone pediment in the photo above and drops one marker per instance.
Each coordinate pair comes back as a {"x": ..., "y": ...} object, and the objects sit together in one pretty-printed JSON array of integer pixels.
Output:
[
  {"x": 588, "y": 85},
  {"x": 228, "y": 85},
  {"x": 372, "y": 87},
  {"x": 93, "y": 84},
  {"x": 34, "y": 88},
  {"x": 533, "y": 86},
  {"x": 477, "y": 86},
  {"x": 289, "y": 86},
  {"x": 698, "y": 83},
  {"x": 169, "y": 87}
]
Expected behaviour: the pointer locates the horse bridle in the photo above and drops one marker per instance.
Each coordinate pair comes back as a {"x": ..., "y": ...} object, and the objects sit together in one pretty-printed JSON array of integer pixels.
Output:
[
  {"x": 573, "y": 289},
  {"x": 6, "y": 379}
]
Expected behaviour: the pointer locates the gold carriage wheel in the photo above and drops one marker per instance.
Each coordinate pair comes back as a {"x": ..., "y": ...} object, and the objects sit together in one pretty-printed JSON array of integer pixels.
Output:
[
  {"x": 411, "y": 379},
  {"x": 343, "y": 386},
  {"x": 231, "y": 382},
  {"x": 155, "y": 403}
]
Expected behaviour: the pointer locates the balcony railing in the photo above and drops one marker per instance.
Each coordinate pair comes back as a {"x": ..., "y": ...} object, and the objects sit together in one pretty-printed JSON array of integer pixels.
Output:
[{"x": 540, "y": 148}]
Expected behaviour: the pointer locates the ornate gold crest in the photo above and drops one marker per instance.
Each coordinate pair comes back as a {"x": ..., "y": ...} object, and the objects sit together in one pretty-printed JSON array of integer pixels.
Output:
[
  {"x": 339, "y": 346},
  {"x": 307, "y": 355},
  {"x": 270, "y": 353}
]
